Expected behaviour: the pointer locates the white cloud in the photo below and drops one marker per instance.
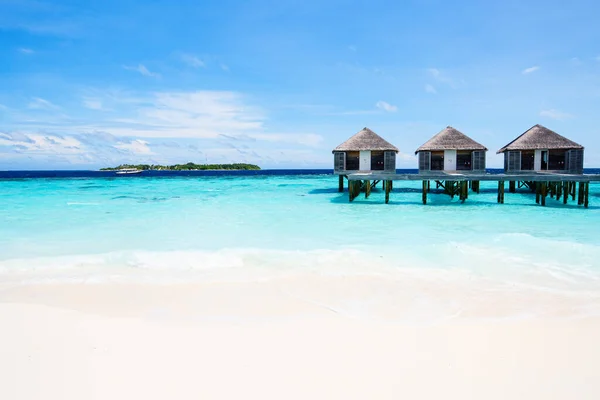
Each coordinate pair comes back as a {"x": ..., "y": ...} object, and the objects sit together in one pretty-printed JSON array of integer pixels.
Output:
[
  {"x": 224, "y": 67},
  {"x": 38, "y": 103},
  {"x": 192, "y": 61},
  {"x": 142, "y": 70},
  {"x": 555, "y": 114},
  {"x": 138, "y": 147},
  {"x": 442, "y": 77},
  {"x": 530, "y": 70},
  {"x": 35, "y": 143},
  {"x": 385, "y": 106},
  {"x": 352, "y": 48},
  {"x": 430, "y": 89},
  {"x": 434, "y": 72},
  {"x": 24, "y": 50},
  {"x": 576, "y": 61},
  {"x": 598, "y": 58},
  {"x": 92, "y": 104}
]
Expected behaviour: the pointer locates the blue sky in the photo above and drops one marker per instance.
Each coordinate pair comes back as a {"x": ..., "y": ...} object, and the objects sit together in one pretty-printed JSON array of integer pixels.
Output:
[{"x": 280, "y": 83}]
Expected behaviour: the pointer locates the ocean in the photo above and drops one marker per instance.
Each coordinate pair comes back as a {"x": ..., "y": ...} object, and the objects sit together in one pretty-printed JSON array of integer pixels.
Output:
[{"x": 213, "y": 226}]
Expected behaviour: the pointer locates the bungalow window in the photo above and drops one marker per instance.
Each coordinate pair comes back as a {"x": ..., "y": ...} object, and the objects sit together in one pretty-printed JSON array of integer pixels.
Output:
[
  {"x": 352, "y": 161},
  {"x": 463, "y": 161},
  {"x": 556, "y": 160},
  {"x": 527, "y": 160},
  {"x": 437, "y": 160},
  {"x": 377, "y": 161}
]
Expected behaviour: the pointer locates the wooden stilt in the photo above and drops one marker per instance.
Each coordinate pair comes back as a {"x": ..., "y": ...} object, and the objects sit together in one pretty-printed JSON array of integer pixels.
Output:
[
  {"x": 387, "y": 186},
  {"x": 391, "y": 185},
  {"x": 565, "y": 192},
  {"x": 512, "y": 187},
  {"x": 464, "y": 190},
  {"x": 586, "y": 195},
  {"x": 580, "y": 194},
  {"x": 544, "y": 192},
  {"x": 559, "y": 190},
  {"x": 538, "y": 191},
  {"x": 501, "y": 192},
  {"x": 367, "y": 188},
  {"x": 425, "y": 186},
  {"x": 428, "y": 186},
  {"x": 341, "y": 184}
]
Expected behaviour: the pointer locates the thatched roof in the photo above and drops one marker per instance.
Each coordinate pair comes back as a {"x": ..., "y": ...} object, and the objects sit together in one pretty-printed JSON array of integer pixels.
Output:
[
  {"x": 540, "y": 137},
  {"x": 366, "y": 140},
  {"x": 451, "y": 139}
]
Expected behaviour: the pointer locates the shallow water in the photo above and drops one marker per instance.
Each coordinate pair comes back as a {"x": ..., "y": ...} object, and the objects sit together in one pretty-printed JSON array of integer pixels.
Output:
[{"x": 256, "y": 227}]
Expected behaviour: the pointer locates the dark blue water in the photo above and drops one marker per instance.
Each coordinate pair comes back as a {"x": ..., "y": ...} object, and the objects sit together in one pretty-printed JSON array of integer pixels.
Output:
[{"x": 264, "y": 172}]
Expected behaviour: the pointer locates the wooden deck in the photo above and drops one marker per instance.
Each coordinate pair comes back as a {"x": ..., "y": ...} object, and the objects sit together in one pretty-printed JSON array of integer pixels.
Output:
[
  {"x": 560, "y": 186},
  {"x": 457, "y": 176}
]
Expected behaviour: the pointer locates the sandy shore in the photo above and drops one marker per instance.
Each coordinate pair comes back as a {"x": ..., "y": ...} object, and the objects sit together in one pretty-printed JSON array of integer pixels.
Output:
[{"x": 262, "y": 340}]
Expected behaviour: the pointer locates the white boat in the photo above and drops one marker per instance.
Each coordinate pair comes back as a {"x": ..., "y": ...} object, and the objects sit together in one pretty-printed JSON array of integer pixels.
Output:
[{"x": 129, "y": 171}]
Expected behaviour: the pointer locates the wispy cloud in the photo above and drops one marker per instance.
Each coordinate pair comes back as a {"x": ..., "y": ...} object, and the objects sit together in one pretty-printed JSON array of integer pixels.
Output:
[
  {"x": 385, "y": 106},
  {"x": 224, "y": 67},
  {"x": 576, "y": 61},
  {"x": 352, "y": 48},
  {"x": 555, "y": 114},
  {"x": 182, "y": 115},
  {"x": 35, "y": 143},
  {"x": 136, "y": 146},
  {"x": 142, "y": 70},
  {"x": 92, "y": 104},
  {"x": 530, "y": 70},
  {"x": 430, "y": 89},
  {"x": 27, "y": 51},
  {"x": 192, "y": 61},
  {"x": 442, "y": 77},
  {"x": 38, "y": 103}
]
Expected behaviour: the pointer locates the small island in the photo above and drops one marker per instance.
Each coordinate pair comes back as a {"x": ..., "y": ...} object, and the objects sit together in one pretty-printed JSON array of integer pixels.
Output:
[{"x": 185, "y": 167}]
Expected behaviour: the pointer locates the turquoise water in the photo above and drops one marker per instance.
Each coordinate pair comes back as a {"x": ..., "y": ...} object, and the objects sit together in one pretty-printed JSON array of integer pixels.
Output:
[{"x": 258, "y": 227}]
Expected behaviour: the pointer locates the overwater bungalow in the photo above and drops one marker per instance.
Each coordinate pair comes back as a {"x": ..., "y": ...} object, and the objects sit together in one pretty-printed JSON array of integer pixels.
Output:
[
  {"x": 365, "y": 151},
  {"x": 541, "y": 149},
  {"x": 451, "y": 150}
]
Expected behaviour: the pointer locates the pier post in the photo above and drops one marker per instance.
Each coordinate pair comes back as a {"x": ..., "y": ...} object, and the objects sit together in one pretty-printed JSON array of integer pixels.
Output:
[
  {"x": 565, "y": 192},
  {"x": 367, "y": 188},
  {"x": 501, "y": 192},
  {"x": 425, "y": 186},
  {"x": 573, "y": 185},
  {"x": 538, "y": 190},
  {"x": 580, "y": 194},
  {"x": 586, "y": 195},
  {"x": 464, "y": 190},
  {"x": 544, "y": 192},
  {"x": 387, "y": 186},
  {"x": 512, "y": 187},
  {"x": 429, "y": 186},
  {"x": 341, "y": 184},
  {"x": 559, "y": 190}
]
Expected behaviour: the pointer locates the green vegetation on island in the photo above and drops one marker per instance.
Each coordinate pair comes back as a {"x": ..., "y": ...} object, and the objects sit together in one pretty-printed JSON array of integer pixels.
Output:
[{"x": 185, "y": 167}]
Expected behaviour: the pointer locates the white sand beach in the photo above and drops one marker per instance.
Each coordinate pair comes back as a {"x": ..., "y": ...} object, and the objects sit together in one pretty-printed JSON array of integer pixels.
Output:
[{"x": 259, "y": 340}]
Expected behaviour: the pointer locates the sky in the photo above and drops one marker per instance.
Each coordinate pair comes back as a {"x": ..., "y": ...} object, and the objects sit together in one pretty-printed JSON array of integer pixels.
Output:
[{"x": 89, "y": 84}]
